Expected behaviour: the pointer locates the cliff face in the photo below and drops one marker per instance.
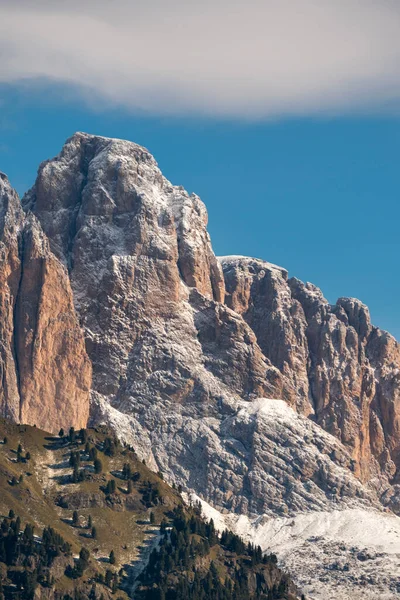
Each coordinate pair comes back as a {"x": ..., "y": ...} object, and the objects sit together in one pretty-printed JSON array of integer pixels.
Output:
[
  {"x": 182, "y": 344},
  {"x": 147, "y": 286},
  {"x": 337, "y": 366},
  {"x": 11, "y": 222},
  {"x": 45, "y": 371}
]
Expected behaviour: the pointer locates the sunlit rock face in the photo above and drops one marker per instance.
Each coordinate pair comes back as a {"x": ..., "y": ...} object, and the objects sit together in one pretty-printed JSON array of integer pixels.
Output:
[
  {"x": 242, "y": 384},
  {"x": 147, "y": 287},
  {"x": 45, "y": 371},
  {"x": 172, "y": 331},
  {"x": 337, "y": 367},
  {"x": 177, "y": 339}
]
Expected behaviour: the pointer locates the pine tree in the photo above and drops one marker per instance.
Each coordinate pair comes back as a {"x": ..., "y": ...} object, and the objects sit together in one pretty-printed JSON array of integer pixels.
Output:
[
  {"x": 114, "y": 586},
  {"x": 75, "y": 518},
  {"x": 98, "y": 467},
  {"x": 61, "y": 433},
  {"x": 83, "y": 436},
  {"x": 94, "y": 533},
  {"x": 75, "y": 474},
  {"x": 112, "y": 557}
]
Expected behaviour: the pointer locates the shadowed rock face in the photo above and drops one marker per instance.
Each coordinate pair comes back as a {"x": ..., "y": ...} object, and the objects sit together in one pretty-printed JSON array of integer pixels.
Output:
[
  {"x": 11, "y": 223},
  {"x": 182, "y": 344},
  {"x": 45, "y": 371}
]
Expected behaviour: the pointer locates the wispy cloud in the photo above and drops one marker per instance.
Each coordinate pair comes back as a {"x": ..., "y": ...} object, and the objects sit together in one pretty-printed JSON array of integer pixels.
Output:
[{"x": 248, "y": 58}]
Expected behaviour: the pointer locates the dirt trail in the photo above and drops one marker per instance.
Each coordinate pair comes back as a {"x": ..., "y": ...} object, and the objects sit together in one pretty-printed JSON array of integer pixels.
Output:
[{"x": 49, "y": 468}]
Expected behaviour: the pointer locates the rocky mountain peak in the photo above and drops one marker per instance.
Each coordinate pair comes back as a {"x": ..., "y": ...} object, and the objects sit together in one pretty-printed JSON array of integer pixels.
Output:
[
  {"x": 109, "y": 289},
  {"x": 98, "y": 183},
  {"x": 358, "y": 316},
  {"x": 165, "y": 321}
]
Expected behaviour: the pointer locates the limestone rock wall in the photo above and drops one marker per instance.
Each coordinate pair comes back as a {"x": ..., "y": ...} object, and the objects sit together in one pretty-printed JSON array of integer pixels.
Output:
[{"x": 45, "y": 371}]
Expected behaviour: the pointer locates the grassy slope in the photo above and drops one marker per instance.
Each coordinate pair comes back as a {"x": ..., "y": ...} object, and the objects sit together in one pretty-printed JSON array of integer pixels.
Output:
[
  {"x": 46, "y": 479},
  {"x": 47, "y": 496}
]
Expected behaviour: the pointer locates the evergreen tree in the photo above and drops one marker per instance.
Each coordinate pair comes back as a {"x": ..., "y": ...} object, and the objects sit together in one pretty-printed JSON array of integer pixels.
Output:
[
  {"x": 112, "y": 557},
  {"x": 98, "y": 467},
  {"x": 19, "y": 453}
]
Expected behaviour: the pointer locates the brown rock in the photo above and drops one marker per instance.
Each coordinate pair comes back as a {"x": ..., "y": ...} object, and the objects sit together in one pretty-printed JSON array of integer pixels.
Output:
[
  {"x": 11, "y": 222},
  {"x": 334, "y": 364},
  {"x": 46, "y": 373}
]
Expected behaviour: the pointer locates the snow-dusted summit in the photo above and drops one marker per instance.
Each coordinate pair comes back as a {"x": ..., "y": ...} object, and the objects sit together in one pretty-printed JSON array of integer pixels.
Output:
[{"x": 184, "y": 349}]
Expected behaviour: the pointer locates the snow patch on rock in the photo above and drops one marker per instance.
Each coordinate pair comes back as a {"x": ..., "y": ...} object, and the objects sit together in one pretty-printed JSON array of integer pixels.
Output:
[{"x": 341, "y": 554}]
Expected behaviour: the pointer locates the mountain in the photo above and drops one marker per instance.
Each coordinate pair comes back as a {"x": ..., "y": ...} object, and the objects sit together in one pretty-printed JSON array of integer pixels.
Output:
[{"x": 244, "y": 386}]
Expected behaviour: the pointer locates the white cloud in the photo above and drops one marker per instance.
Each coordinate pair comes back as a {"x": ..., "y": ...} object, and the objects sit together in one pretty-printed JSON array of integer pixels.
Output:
[{"x": 247, "y": 58}]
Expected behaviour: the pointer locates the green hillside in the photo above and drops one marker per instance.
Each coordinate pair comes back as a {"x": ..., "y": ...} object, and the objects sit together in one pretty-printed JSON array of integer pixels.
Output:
[{"x": 113, "y": 528}]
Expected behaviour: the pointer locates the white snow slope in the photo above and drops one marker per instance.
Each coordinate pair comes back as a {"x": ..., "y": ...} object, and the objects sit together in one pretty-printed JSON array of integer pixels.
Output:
[
  {"x": 338, "y": 555},
  {"x": 349, "y": 553}
]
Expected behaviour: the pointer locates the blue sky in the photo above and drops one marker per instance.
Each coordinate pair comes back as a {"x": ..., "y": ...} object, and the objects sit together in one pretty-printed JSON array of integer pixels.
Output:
[
  {"x": 317, "y": 196},
  {"x": 286, "y": 121}
]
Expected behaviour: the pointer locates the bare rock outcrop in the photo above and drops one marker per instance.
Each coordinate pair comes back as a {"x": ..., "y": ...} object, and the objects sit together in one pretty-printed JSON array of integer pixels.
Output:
[
  {"x": 111, "y": 269},
  {"x": 147, "y": 286},
  {"x": 336, "y": 366},
  {"x": 45, "y": 371},
  {"x": 179, "y": 340},
  {"x": 259, "y": 292},
  {"x": 11, "y": 224}
]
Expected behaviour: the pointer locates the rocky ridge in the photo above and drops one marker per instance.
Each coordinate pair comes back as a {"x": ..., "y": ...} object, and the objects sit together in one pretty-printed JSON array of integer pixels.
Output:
[
  {"x": 337, "y": 366},
  {"x": 185, "y": 348}
]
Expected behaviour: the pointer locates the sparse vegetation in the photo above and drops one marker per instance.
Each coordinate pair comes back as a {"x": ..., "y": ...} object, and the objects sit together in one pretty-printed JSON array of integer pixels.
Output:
[{"x": 107, "y": 528}]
